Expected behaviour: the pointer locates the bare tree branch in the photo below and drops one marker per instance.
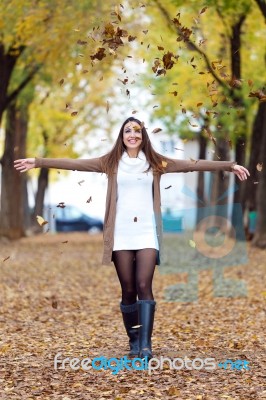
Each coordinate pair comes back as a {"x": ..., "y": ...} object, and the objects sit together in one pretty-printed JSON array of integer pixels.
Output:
[
  {"x": 192, "y": 45},
  {"x": 262, "y": 6},
  {"x": 21, "y": 86}
]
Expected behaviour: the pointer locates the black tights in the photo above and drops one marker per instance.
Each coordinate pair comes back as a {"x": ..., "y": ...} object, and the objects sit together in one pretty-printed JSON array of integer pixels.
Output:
[{"x": 135, "y": 269}]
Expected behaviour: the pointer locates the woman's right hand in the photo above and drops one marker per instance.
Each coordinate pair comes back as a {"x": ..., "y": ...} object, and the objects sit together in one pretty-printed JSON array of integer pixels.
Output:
[{"x": 24, "y": 164}]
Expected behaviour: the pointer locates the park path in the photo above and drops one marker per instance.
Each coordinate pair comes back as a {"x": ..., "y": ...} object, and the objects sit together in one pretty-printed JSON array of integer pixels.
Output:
[{"x": 56, "y": 297}]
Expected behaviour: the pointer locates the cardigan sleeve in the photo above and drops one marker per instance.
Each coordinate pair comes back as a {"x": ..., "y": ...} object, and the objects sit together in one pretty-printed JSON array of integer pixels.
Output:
[
  {"x": 173, "y": 165},
  {"x": 89, "y": 165}
]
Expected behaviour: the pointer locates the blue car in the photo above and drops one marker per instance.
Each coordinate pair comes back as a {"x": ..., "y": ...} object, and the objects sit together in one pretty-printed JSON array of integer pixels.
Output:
[{"x": 70, "y": 219}]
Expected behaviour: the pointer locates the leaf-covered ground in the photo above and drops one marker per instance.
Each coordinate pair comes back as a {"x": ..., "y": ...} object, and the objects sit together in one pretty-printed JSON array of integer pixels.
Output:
[{"x": 57, "y": 297}]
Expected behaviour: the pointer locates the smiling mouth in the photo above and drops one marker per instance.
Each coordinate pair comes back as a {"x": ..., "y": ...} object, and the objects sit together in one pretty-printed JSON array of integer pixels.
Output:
[{"x": 133, "y": 140}]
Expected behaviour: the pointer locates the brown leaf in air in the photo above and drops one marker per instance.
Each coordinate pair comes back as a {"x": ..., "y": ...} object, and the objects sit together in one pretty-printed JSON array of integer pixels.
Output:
[
  {"x": 168, "y": 60},
  {"x": 135, "y": 219},
  {"x": 74, "y": 113},
  {"x": 89, "y": 200},
  {"x": 99, "y": 55},
  {"x": 156, "y": 130},
  {"x": 259, "y": 166},
  {"x": 203, "y": 10},
  {"x": 41, "y": 221},
  {"x": 107, "y": 106},
  {"x": 259, "y": 94},
  {"x": 61, "y": 82},
  {"x": 61, "y": 205}
]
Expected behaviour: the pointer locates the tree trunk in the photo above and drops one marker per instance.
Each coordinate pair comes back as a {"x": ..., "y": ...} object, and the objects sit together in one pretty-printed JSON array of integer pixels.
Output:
[
  {"x": 255, "y": 150},
  {"x": 43, "y": 180},
  {"x": 42, "y": 186},
  {"x": 238, "y": 102},
  {"x": 260, "y": 234},
  {"x": 14, "y": 200},
  {"x": 201, "y": 181},
  {"x": 7, "y": 63}
]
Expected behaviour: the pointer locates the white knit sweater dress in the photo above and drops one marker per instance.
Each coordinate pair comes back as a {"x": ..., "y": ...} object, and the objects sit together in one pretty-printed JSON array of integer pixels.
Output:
[{"x": 135, "y": 223}]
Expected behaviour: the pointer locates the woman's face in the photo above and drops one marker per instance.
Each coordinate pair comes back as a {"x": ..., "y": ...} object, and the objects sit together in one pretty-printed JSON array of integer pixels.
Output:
[{"x": 132, "y": 135}]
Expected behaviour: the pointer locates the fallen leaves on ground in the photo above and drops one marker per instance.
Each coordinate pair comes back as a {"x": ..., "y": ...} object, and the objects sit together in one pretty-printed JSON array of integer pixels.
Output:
[{"x": 56, "y": 297}]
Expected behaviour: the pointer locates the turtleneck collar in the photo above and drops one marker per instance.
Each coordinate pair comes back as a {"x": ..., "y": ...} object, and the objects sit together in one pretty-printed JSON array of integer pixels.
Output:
[{"x": 133, "y": 165}]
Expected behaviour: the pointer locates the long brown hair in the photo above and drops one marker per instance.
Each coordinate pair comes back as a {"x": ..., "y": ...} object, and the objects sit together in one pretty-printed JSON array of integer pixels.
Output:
[{"x": 111, "y": 159}]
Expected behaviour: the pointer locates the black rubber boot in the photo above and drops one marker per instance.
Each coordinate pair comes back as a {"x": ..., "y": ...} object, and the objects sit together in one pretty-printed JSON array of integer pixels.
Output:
[
  {"x": 130, "y": 318},
  {"x": 146, "y": 317}
]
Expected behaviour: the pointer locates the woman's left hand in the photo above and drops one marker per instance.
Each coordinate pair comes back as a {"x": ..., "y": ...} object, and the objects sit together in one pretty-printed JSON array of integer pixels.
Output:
[{"x": 241, "y": 172}]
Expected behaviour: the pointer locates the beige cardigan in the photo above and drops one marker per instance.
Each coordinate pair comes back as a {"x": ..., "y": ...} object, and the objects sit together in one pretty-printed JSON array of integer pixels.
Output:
[{"x": 95, "y": 165}]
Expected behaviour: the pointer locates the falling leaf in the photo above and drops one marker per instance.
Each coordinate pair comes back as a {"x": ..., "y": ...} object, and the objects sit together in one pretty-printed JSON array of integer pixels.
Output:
[
  {"x": 61, "y": 82},
  {"x": 89, "y": 200},
  {"x": 168, "y": 187},
  {"x": 145, "y": 32},
  {"x": 259, "y": 94},
  {"x": 131, "y": 38},
  {"x": 41, "y": 221},
  {"x": 107, "y": 106},
  {"x": 250, "y": 83},
  {"x": 192, "y": 243},
  {"x": 168, "y": 60},
  {"x": 199, "y": 104},
  {"x": 203, "y": 10},
  {"x": 134, "y": 111},
  {"x": 99, "y": 55},
  {"x": 82, "y": 42},
  {"x": 160, "y": 48},
  {"x": 193, "y": 125},
  {"x": 135, "y": 219},
  {"x": 156, "y": 130},
  {"x": 259, "y": 166},
  {"x": 235, "y": 83},
  {"x": 74, "y": 113},
  {"x": 184, "y": 110},
  {"x": 176, "y": 148},
  {"x": 7, "y": 258},
  {"x": 65, "y": 241},
  {"x": 80, "y": 182},
  {"x": 61, "y": 205}
]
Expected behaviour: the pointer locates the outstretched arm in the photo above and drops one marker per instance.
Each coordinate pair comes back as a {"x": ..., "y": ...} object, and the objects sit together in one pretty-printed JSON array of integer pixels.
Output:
[
  {"x": 90, "y": 165},
  {"x": 173, "y": 165}
]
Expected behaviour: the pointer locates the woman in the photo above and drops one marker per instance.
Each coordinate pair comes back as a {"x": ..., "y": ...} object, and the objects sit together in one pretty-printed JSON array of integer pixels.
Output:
[{"x": 132, "y": 224}]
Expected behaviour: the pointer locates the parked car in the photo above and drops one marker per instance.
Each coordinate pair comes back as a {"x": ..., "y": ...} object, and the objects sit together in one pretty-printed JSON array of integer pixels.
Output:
[{"x": 69, "y": 218}]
